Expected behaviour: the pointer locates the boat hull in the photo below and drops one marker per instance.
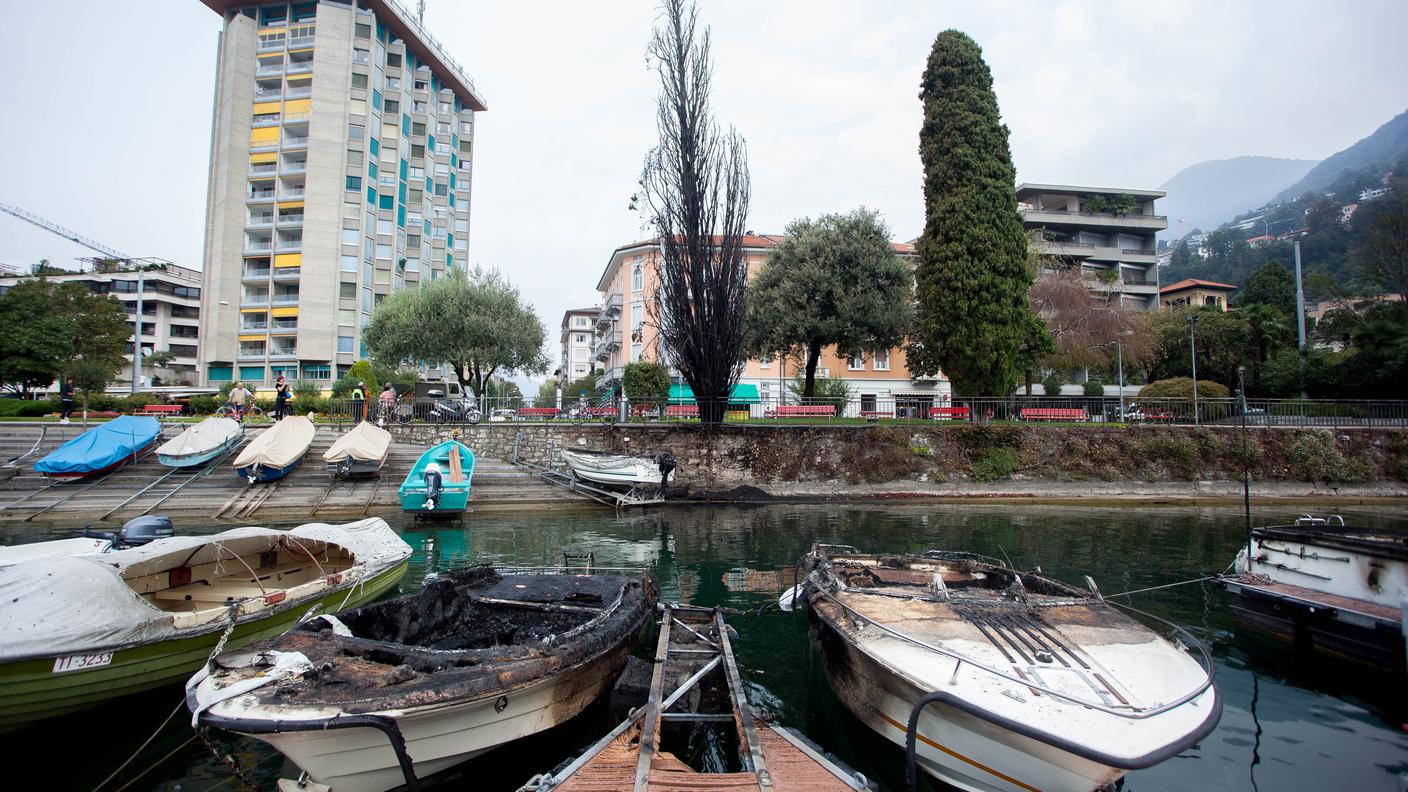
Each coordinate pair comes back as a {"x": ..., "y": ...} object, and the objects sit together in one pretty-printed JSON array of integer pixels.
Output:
[
  {"x": 356, "y": 468},
  {"x": 192, "y": 460},
  {"x": 262, "y": 473},
  {"x": 454, "y": 496},
  {"x": 451, "y": 501},
  {"x": 1314, "y": 624},
  {"x": 127, "y": 460},
  {"x": 612, "y": 471},
  {"x": 31, "y": 690},
  {"x": 360, "y": 759}
]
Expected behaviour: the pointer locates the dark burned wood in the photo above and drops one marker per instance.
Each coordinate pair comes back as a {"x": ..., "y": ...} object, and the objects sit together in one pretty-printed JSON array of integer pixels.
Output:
[{"x": 448, "y": 643}]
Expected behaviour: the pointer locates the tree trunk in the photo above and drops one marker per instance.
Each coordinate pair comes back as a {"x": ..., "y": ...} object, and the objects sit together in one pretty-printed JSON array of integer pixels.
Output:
[{"x": 813, "y": 357}]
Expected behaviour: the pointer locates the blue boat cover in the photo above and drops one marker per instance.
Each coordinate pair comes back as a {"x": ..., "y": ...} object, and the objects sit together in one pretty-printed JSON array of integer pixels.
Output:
[{"x": 101, "y": 446}]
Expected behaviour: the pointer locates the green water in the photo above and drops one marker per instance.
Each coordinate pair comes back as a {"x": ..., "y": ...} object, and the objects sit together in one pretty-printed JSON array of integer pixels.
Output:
[{"x": 1283, "y": 727}]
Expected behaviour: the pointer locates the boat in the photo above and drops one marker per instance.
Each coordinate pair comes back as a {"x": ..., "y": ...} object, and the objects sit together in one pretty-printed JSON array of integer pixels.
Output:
[
  {"x": 135, "y": 532},
  {"x": 620, "y": 470},
  {"x": 995, "y": 679},
  {"x": 201, "y": 443},
  {"x": 455, "y": 462},
  {"x": 277, "y": 450},
  {"x": 360, "y": 453},
  {"x": 78, "y": 630},
  {"x": 696, "y": 689},
  {"x": 105, "y": 447},
  {"x": 379, "y": 696},
  {"x": 1335, "y": 590}
]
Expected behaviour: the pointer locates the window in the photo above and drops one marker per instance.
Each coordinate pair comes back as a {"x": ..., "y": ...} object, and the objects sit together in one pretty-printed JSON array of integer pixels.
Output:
[
  {"x": 383, "y": 252},
  {"x": 360, "y": 56},
  {"x": 393, "y": 61},
  {"x": 356, "y": 132},
  {"x": 446, "y": 108},
  {"x": 359, "y": 80},
  {"x": 349, "y": 237},
  {"x": 393, "y": 83},
  {"x": 581, "y": 338},
  {"x": 417, "y": 173},
  {"x": 413, "y": 241},
  {"x": 383, "y": 227},
  {"x": 344, "y": 345},
  {"x": 347, "y": 291},
  {"x": 765, "y": 361},
  {"x": 880, "y": 358},
  {"x": 390, "y": 107},
  {"x": 856, "y": 362},
  {"x": 347, "y": 316},
  {"x": 637, "y": 278},
  {"x": 418, "y": 128},
  {"x": 442, "y": 189},
  {"x": 363, "y": 31},
  {"x": 354, "y": 159},
  {"x": 417, "y": 150}
]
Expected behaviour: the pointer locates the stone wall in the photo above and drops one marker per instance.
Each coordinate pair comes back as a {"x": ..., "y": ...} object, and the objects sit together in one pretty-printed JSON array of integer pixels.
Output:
[{"x": 774, "y": 457}]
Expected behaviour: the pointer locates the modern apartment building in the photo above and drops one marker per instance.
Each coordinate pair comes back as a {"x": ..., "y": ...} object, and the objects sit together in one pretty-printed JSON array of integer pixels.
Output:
[
  {"x": 626, "y": 333},
  {"x": 340, "y": 165},
  {"x": 170, "y": 307},
  {"x": 1116, "y": 253},
  {"x": 578, "y": 339}
]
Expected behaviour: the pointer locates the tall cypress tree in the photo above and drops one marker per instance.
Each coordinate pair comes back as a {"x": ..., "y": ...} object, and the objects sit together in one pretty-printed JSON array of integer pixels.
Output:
[{"x": 974, "y": 321}]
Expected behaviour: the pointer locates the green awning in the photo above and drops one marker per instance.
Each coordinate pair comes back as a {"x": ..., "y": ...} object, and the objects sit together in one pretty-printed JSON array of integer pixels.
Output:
[{"x": 743, "y": 393}]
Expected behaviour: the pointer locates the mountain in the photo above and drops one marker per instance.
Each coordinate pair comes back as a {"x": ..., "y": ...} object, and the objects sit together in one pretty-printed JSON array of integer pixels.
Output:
[
  {"x": 1380, "y": 150},
  {"x": 1213, "y": 192}
]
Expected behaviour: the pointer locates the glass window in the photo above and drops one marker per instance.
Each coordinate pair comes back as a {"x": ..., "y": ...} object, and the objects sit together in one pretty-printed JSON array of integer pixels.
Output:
[
  {"x": 356, "y": 132},
  {"x": 637, "y": 278},
  {"x": 383, "y": 252},
  {"x": 359, "y": 80},
  {"x": 881, "y": 359},
  {"x": 354, "y": 158},
  {"x": 344, "y": 345},
  {"x": 384, "y": 227},
  {"x": 393, "y": 60},
  {"x": 349, "y": 237},
  {"x": 361, "y": 56},
  {"x": 363, "y": 31},
  {"x": 390, "y": 106},
  {"x": 348, "y": 316},
  {"x": 347, "y": 291},
  {"x": 856, "y": 362}
]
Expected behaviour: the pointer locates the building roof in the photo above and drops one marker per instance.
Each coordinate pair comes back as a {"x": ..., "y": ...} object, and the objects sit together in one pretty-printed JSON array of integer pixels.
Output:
[
  {"x": 1033, "y": 188},
  {"x": 753, "y": 241},
  {"x": 1194, "y": 283}
]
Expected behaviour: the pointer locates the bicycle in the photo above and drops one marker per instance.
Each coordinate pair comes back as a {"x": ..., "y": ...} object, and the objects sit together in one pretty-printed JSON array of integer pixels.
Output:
[
  {"x": 584, "y": 411},
  {"x": 231, "y": 411},
  {"x": 397, "y": 413}
]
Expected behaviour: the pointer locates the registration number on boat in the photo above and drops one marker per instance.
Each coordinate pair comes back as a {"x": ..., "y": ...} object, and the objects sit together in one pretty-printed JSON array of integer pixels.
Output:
[{"x": 80, "y": 662}]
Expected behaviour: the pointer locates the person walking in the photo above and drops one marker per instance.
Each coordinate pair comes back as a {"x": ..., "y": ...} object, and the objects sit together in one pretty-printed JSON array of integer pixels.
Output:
[
  {"x": 65, "y": 400},
  {"x": 359, "y": 402},
  {"x": 281, "y": 397}
]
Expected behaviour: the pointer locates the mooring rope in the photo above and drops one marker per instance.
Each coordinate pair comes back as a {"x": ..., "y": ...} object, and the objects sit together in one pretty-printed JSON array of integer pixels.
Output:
[
  {"x": 157, "y": 763},
  {"x": 140, "y": 748},
  {"x": 1164, "y": 586}
]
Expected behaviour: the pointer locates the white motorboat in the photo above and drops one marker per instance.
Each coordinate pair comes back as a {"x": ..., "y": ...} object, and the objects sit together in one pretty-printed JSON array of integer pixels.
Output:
[
  {"x": 620, "y": 470},
  {"x": 1339, "y": 591},
  {"x": 376, "y": 697},
  {"x": 200, "y": 443},
  {"x": 135, "y": 533},
  {"x": 999, "y": 680},
  {"x": 359, "y": 453}
]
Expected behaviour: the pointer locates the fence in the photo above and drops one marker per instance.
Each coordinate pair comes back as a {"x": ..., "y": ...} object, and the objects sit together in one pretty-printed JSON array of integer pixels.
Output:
[{"x": 896, "y": 410}]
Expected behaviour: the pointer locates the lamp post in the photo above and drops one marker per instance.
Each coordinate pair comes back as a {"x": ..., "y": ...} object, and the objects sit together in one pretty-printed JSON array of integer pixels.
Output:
[
  {"x": 1246, "y": 471},
  {"x": 137, "y": 337},
  {"x": 1119, "y": 359},
  {"x": 1193, "y": 355}
]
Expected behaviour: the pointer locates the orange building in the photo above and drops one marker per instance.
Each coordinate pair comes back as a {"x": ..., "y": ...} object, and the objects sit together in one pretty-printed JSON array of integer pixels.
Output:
[{"x": 626, "y": 332}]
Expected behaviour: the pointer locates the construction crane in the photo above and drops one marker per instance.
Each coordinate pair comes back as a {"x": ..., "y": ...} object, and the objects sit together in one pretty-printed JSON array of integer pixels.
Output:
[{"x": 58, "y": 230}]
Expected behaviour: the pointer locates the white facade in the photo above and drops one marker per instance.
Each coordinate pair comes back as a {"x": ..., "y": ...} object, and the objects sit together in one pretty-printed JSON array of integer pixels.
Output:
[{"x": 577, "y": 338}]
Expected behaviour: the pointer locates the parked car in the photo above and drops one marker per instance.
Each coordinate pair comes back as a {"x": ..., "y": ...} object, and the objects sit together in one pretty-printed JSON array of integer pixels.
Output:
[
  {"x": 501, "y": 415},
  {"x": 1141, "y": 412}
]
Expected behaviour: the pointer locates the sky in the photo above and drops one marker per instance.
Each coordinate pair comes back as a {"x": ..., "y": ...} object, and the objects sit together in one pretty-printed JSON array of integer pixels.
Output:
[{"x": 107, "y": 129}]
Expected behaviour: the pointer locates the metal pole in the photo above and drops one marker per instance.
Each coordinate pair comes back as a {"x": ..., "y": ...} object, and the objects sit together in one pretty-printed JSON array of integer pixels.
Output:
[
  {"x": 137, "y": 337},
  {"x": 1119, "y": 358},
  {"x": 1193, "y": 352},
  {"x": 1246, "y": 472},
  {"x": 1300, "y": 321}
]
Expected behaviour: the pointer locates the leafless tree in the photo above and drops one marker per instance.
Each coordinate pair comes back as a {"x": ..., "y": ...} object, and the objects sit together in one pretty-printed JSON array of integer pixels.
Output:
[
  {"x": 1084, "y": 327},
  {"x": 694, "y": 192}
]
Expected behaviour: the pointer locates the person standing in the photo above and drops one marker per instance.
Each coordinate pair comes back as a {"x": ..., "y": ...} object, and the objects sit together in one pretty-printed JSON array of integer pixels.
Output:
[
  {"x": 239, "y": 398},
  {"x": 65, "y": 400},
  {"x": 359, "y": 402},
  {"x": 387, "y": 403},
  {"x": 281, "y": 397}
]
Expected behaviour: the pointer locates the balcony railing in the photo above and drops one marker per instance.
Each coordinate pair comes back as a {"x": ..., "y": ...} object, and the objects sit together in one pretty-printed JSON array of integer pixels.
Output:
[
  {"x": 257, "y": 247},
  {"x": 289, "y": 247},
  {"x": 1102, "y": 215},
  {"x": 251, "y": 355},
  {"x": 261, "y": 196},
  {"x": 264, "y": 96},
  {"x": 1137, "y": 252},
  {"x": 290, "y": 169},
  {"x": 287, "y": 273},
  {"x": 255, "y": 274},
  {"x": 284, "y": 328},
  {"x": 298, "y": 93},
  {"x": 295, "y": 142},
  {"x": 300, "y": 67},
  {"x": 277, "y": 68},
  {"x": 254, "y": 328},
  {"x": 286, "y": 299},
  {"x": 277, "y": 354},
  {"x": 262, "y": 168},
  {"x": 300, "y": 42},
  {"x": 290, "y": 220},
  {"x": 259, "y": 221},
  {"x": 291, "y": 192},
  {"x": 295, "y": 118},
  {"x": 270, "y": 44},
  {"x": 254, "y": 302}
]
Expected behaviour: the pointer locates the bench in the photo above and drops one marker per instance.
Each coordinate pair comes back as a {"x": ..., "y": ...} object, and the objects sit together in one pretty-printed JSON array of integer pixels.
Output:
[
  {"x": 162, "y": 409},
  {"x": 1054, "y": 414},
  {"x": 524, "y": 413},
  {"x": 682, "y": 411},
  {"x": 802, "y": 411},
  {"x": 950, "y": 413}
]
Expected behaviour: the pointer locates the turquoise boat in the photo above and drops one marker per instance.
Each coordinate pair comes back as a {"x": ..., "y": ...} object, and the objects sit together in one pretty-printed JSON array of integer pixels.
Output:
[{"x": 456, "y": 463}]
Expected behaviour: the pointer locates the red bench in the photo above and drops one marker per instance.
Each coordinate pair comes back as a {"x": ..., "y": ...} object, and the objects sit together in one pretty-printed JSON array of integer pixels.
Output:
[
  {"x": 949, "y": 413},
  {"x": 682, "y": 411},
  {"x": 524, "y": 413},
  {"x": 801, "y": 411},
  {"x": 162, "y": 409},
  {"x": 1054, "y": 414}
]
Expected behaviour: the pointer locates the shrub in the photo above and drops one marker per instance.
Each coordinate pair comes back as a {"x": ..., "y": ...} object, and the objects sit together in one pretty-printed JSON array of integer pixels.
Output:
[
  {"x": 1094, "y": 388},
  {"x": 646, "y": 382},
  {"x": 203, "y": 405},
  {"x": 34, "y": 409},
  {"x": 137, "y": 401},
  {"x": 825, "y": 390},
  {"x": 1051, "y": 384},
  {"x": 1182, "y": 388},
  {"x": 1313, "y": 456},
  {"x": 996, "y": 463}
]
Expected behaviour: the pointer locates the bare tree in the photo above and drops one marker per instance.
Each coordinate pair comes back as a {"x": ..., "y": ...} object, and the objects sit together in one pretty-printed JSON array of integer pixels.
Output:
[
  {"x": 695, "y": 195},
  {"x": 1083, "y": 327}
]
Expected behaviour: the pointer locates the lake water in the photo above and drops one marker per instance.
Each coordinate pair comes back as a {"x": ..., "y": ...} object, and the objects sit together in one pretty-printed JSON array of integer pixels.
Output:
[{"x": 1283, "y": 727}]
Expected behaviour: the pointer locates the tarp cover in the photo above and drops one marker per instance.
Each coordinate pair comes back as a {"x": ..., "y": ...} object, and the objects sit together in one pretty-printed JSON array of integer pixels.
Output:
[
  {"x": 367, "y": 442},
  {"x": 103, "y": 445},
  {"x": 280, "y": 445},
  {"x": 82, "y": 604},
  {"x": 204, "y": 437}
]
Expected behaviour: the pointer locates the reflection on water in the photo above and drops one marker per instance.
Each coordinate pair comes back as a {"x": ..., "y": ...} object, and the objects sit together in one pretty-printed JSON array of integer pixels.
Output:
[{"x": 1283, "y": 727}]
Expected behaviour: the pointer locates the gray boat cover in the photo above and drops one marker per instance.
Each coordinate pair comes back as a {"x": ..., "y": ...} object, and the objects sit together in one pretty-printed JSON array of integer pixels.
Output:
[
  {"x": 204, "y": 437},
  {"x": 280, "y": 445},
  {"x": 82, "y": 604},
  {"x": 367, "y": 442}
]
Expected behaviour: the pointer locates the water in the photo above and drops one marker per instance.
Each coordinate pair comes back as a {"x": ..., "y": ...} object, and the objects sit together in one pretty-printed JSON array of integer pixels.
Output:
[{"x": 1283, "y": 727}]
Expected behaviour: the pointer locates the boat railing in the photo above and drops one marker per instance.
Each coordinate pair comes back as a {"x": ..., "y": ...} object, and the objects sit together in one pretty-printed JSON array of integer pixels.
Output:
[{"x": 961, "y": 660}]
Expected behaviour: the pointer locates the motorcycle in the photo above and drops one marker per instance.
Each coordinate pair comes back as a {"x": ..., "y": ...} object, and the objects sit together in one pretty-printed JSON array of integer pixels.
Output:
[{"x": 455, "y": 411}]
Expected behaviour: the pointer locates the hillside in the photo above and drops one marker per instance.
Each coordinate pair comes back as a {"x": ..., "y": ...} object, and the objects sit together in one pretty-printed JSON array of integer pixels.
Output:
[
  {"x": 1210, "y": 193},
  {"x": 1380, "y": 150}
]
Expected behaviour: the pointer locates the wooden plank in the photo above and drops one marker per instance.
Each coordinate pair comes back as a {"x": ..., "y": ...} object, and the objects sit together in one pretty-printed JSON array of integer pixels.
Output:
[
  {"x": 649, "y": 735},
  {"x": 456, "y": 471}
]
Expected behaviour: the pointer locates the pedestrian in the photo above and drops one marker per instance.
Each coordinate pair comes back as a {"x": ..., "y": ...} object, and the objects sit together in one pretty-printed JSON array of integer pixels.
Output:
[
  {"x": 388, "y": 402},
  {"x": 65, "y": 400},
  {"x": 359, "y": 402},
  {"x": 239, "y": 398},
  {"x": 281, "y": 397}
]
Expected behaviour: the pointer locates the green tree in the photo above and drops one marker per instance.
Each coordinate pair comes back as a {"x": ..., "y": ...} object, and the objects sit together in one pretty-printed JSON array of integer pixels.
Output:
[
  {"x": 476, "y": 321},
  {"x": 974, "y": 322},
  {"x": 98, "y": 335},
  {"x": 547, "y": 393},
  {"x": 826, "y": 390},
  {"x": 1273, "y": 285},
  {"x": 582, "y": 386},
  {"x": 361, "y": 371},
  {"x": 646, "y": 382},
  {"x": 1182, "y": 257},
  {"x": 1223, "y": 344},
  {"x": 832, "y": 281},
  {"x": 1268, "y": 329},
  {"x": 1383, "y": 250},
  {"x": 34, "y": 346}
]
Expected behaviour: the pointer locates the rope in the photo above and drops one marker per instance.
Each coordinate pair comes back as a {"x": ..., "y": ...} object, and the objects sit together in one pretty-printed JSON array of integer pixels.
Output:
[
  {"x": 157, "y": 763},
  {"x": 1166, "y": 585},
  {"x": 140, "y": 748}
]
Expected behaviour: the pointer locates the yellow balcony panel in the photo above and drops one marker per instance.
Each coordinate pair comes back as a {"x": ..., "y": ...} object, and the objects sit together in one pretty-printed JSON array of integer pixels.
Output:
[
  {"x": 290, "y": 311},
  {"x": 265, "y": 136},
  {"x": 270, "y": 30},
  {"x": 290, "y": 204},
  {"x": 263, "y": 157},
  {"x": 298, "y": 106},
  {"x": 288, "y": 260},
  {"x": 261, "y": 177},
  {"x": 254, "y": 337},
  {"x": 308, "y": 48},
  {"x": 261, "y": 108},
  {"x": 253, "y": 310}
]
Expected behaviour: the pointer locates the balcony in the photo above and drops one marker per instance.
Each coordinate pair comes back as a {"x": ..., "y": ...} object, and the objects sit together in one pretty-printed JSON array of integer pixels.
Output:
[
  {"x": 254, "y": 248},
  {"x": 607, "y": 344},
  {"x": 260, "y": 196},
  {"x": 291, "y": 220},
  {"x": 266, "y": 45},
  {"x": 251, "y": 355},
  {"x": 267, "y": 95},
  {"x": 1063, "y": 247},
  {"x": 299, "y": 67},
  {"x": 1063, "y": 217},
  {"x": 254, "y": 327},
  {"x": 262, "y": 169},
  {"x": 259, "y": 221},
  {"x": 291, "y": 142},
  {"x": 255, "y": 273},
  {"x": 254, "y": 301},
  {"x": 609, "y": 311},
  {"x": 283, "y": 354},
  {"x": 298, "y": 93},
  {"x": 286, "y": 299},
  {"x": 267, "y": 69},
  {"x": 291, "y": 192},
  {"x": 301, "y": 42},
  {"x": 295, "y": 118},
  {"x": 285, "y": 329},
  {"x": 287, "y": 274}
]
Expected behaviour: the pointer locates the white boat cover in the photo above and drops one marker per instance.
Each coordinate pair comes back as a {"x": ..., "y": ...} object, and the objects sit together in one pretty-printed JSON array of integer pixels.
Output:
[
  {"x": 280, "y": 445},
  {"x": 367, "y": 442},
  {"x": 82, "y": 604},
  {"x": 204, "y": 437}
]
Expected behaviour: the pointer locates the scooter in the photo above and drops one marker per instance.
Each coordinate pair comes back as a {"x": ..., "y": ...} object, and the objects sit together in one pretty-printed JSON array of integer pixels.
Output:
[{"x": 455, "y": 411}]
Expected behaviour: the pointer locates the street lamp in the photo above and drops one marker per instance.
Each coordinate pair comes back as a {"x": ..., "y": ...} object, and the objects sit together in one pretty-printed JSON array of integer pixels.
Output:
[
  {"x": 1193, "y": 355},
  {"x": 1119, "y": 361}
]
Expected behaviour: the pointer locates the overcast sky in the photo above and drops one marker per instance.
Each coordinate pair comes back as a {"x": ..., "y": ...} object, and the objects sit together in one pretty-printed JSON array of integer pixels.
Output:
[{"x": 108, "y": 106}]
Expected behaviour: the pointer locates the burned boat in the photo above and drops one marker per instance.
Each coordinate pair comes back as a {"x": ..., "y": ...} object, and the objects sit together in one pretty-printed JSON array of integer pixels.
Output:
[
  {"x": 1001, "y": 680},
  {"x": 696, "y": 688},
  {"x": 371, "y": 698},
  {"x": 1325, "y": 587}
]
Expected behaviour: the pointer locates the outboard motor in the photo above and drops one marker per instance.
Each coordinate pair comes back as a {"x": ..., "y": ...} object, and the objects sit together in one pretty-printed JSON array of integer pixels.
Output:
[
  {"x": 434, "y": 485},
  {"x": 666, "y": 462},
  {"x": 142, "y": 530}
]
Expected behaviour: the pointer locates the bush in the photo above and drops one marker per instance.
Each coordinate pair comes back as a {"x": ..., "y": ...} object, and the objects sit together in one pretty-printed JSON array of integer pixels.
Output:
[
  {"x": 1313, "y": 456},
  {"x": 1051, "y": 384},
  {"x": 997, "y": 463},
  {"x": 137, "y": 401},
  {"x": 1182, "y": 388},
  {"x": 646, "y": 382},
  {"x": 203, "y": 405},
  {"x": 1094, "y": 388},
  {"x": 307, "y": 397},
  {"x": 825, "y": 390},
  {"x": 27, "y": 408}
]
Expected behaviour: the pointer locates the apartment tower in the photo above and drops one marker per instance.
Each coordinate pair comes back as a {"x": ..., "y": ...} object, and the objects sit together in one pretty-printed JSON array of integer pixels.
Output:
[{"x": 340, "y": 164}]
